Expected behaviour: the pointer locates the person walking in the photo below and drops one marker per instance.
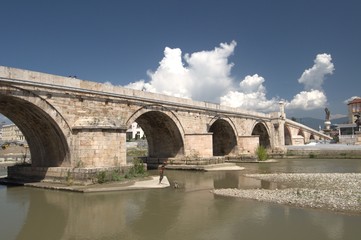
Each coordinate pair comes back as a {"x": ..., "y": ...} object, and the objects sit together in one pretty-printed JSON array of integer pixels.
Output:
[{"x": 161, "y": 172}]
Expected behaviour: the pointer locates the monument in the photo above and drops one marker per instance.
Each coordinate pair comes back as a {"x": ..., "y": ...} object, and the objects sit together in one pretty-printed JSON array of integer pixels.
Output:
[{"x": 327, "y": 128}]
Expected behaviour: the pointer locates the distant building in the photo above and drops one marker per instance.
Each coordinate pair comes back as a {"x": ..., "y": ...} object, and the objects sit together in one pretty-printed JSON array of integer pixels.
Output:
[
  {"x": 346, "y": 132},
  {"x": 11, "y": 133},
  {"x": 135, "y": 132},
  {"x": 354, "y": 106}
]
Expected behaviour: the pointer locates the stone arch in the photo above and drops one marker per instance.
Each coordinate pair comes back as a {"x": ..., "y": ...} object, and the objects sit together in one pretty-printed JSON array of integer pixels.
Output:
[
  {"x": 312, "y": 137},
  {"x": 163, "y": 131},
  {"x": 300, "y": 138},
  {"x": 261, "y": 130},
  {"x": 43, "y": 127},
  {"x": 224, "y": 137},
  {"x": 300, "y": 133},
  {"x": 288, "y": 136}
]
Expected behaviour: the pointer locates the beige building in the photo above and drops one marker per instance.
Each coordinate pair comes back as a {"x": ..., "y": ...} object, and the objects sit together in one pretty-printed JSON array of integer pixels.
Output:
[
  {"x": 11, "y": 133},
  {"x": 347, "y": 132},
  {"x": 354, "y": 107}
]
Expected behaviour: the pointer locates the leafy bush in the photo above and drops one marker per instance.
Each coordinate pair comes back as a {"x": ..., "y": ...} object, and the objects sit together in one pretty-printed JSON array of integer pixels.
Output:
[
  {"x": 116, "y": 176},
  {"x": 102, "y": 177},
  {"x": 137, "y": 170},
  {"x": 312, "y": 155},
  {"x": 261, "y": 153}
]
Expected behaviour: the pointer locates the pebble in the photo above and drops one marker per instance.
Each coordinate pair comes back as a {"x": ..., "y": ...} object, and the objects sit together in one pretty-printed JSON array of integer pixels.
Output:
[{"x": 333, "y": 191}]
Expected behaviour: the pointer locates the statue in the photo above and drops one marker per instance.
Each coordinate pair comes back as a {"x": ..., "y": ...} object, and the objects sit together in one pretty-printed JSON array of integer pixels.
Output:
[
  {"x": 358, "y": 121},
  {"x": 327, "y": 114}
]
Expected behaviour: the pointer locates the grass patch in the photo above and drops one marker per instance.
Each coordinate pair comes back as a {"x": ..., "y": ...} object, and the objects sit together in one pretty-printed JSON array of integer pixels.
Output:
[{"x": 137, "y": 152}]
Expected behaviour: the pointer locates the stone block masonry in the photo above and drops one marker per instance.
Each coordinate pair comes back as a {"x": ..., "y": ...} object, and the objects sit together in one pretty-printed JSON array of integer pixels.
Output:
[
  {"x": 64, "y": 175},
  {"x": 199, "y": 145},
  {"x": 99, "y": 147},
  {"x": 74, "y": 123}
]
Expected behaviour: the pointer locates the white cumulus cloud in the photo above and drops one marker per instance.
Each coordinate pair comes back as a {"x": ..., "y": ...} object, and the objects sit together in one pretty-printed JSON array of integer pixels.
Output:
[
  {"x": 308, "y": 100},
  {"x": 313, "y": 78},
  {"x": 206, "y": 76},
  {"x": 251, "y": 95},
  {"x": 203, "y": 76},
  {"x": 141, "y": 85},
  {"x": 313, "y": 97}
]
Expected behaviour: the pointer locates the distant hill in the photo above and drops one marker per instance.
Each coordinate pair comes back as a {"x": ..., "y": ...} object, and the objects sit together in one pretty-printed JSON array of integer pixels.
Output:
[{"x": 316, "y": 123}]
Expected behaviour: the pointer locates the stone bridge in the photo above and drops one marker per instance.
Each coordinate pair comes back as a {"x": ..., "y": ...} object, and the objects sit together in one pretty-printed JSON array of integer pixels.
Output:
[{"x": 71, "y": 123}]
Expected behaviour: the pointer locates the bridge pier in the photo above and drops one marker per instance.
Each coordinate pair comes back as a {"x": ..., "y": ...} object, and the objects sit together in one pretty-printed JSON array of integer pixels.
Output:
[
  {"x": 99, "y": 148},
  {"x": 98, "y": 142},
  {"x": 198, "y": 145},
  {"x": 248, "y": 144}
]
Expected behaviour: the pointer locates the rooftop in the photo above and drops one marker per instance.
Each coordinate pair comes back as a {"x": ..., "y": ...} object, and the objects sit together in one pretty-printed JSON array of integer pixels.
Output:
[{"x": 355, "y": 100}]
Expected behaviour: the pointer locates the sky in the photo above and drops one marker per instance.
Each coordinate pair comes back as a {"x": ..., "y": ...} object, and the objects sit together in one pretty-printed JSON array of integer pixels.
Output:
[{"x": 245, "y": 54}]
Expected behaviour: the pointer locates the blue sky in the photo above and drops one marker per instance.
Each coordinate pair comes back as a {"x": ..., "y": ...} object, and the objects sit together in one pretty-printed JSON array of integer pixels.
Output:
[{"x": 248, "y": 54}]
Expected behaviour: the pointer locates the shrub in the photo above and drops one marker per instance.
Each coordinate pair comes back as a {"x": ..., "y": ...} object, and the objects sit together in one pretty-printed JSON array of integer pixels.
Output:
[
  {"x": 312, "y": 155},
  {"x": 101, "y": 177},
  {"x": 261, "y": 153},
  {"x": 137, "y": 170},
  {"x": 116, "y": 176},
  {"x": 69, "y": 178}
]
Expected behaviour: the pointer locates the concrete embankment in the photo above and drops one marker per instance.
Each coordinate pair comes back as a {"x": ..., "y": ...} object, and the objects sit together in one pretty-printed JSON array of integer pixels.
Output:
[
  {"x": 325, "y": 151},
  {"x": 151, "y": 182},
  {"x": 334, "y": 191}
]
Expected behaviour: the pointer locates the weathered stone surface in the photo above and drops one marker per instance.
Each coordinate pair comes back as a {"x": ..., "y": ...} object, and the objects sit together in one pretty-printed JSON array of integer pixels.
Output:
[{"x": 70, "y": 122}]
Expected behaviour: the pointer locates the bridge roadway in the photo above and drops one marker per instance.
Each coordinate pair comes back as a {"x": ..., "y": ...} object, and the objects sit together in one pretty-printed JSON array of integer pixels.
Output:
[{"x": 75, "y": 124}]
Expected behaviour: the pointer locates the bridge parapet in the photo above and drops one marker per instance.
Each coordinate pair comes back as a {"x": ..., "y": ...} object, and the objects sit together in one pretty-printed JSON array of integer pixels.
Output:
[
  {"x": 302, "y": 134},
  {"x": 24, "y": 77}
]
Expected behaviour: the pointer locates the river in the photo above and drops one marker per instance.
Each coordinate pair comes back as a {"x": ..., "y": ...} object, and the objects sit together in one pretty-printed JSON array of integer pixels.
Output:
[{"x": 188, "y": 212}]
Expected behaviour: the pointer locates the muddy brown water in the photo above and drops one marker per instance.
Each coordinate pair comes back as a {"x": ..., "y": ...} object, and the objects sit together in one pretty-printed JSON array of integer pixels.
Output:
[{"x": 187, "y": 212}]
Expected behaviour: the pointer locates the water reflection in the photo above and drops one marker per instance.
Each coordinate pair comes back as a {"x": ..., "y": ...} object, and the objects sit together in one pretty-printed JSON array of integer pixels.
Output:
[
  {"x": 14, "y": 204},
  {"x": 188, "y": 212},
  {"x": 47, "y": 217}
]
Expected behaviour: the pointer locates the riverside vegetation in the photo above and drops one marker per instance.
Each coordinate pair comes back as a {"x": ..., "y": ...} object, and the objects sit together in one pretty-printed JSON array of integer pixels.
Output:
[
  {"x": 136, "y": 171},
  {"x": 261, "y": 153}
]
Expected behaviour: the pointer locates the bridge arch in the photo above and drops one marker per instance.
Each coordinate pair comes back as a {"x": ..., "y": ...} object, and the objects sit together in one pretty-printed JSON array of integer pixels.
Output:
[
  {"x": 43, "y": 127},
  {"x": 261, "y": 130},
  {"x": 288, "y": 136},
  {"x": 164, "y": 133},
  {"x": 312, "y": 137},
  {"x": 301, "y": 133},
  {"x": 224, "y": 136}
]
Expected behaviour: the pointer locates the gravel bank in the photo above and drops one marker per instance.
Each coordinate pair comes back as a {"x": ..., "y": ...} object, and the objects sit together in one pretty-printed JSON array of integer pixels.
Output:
[{"x": 333, "y": 191}]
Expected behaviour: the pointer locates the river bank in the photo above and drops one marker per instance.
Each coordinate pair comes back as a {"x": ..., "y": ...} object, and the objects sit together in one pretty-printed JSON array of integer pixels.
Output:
[
  {"x": 335, "y": 151},
  {"x": 339, "y": 192}
]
